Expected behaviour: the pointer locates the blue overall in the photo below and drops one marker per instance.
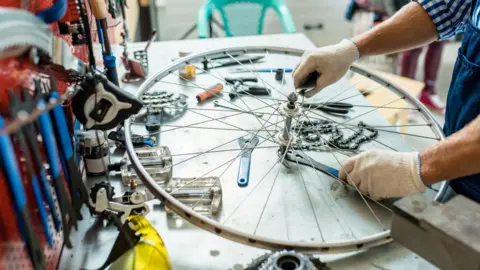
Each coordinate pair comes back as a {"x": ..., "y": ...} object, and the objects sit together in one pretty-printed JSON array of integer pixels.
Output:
[{"x": 463, "y": 102}]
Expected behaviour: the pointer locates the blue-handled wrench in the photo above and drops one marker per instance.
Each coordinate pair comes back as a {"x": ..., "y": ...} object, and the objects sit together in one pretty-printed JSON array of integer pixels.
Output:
[
  {"x": 48, "y": 137},
  {"x": 246, "y": 146},
  {"x": 15, "y": 181}
]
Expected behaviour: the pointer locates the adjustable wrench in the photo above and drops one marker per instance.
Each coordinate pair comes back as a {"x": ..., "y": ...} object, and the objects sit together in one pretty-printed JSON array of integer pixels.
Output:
[{"x": 247, "y": 146}]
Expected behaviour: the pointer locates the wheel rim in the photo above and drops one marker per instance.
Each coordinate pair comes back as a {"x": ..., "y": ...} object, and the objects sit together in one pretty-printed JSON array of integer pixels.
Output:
[{"x": 243, "y": 237}]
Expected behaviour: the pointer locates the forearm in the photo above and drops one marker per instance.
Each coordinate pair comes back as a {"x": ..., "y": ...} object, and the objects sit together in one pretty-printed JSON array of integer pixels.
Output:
[
  {"x": 409, "y": 28},
  {"x": 457, "y": 156}
]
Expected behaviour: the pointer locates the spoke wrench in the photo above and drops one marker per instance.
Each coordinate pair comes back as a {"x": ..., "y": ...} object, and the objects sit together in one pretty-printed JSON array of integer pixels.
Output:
[
  {"x": 304, "y": 159},
  {"x": 247, "y": 146}
]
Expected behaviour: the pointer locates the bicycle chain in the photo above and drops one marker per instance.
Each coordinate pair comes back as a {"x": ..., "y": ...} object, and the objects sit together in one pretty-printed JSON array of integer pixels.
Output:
[{"x": 311, "y": 139}]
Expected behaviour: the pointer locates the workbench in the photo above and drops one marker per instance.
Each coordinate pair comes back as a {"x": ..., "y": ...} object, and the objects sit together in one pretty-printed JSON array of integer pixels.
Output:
[{"x": 190, "y": 247}]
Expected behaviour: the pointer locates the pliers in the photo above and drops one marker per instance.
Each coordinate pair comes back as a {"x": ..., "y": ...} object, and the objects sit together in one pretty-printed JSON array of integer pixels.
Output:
[
  {"x": 239, "y": 87},
  {"x": 330, "y": 107}
]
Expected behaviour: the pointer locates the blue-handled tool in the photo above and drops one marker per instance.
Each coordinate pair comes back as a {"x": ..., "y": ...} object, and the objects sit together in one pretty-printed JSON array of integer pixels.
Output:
[
  {"x": 48, "y": 137},
  {"x": 303, "y": 159},
  {"x": 20, "y": 139},
  {"x": 15, "y": 182},
  {"x": 246, "y": 146},
  {"x": 260, "y": 70},
  {"x": 78, "y": 190}
]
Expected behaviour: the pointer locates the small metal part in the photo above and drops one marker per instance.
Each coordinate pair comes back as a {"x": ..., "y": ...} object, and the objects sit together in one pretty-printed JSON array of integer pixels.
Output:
[
  {"x": 156, "y": 160},
  {"x": 203, "y": 194},
  {"x": 279, "y": 74},
  {"x": 131, "y": 203},
  {"x": 284, "y": 260}
]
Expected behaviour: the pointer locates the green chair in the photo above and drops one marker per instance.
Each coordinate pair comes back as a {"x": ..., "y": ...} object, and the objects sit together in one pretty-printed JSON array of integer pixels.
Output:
[{"x": 242, "y": 17}]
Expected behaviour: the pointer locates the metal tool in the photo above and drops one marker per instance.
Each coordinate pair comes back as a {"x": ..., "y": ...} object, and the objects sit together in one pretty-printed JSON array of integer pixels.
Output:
[
  {"x": 227, "y": 61},
  {"x": 100, "y": 12},
  {"x": 308, "y": 84},
  {"x": 259, "y": 70},
  {"x": 20, "y": 138},
  {"x": 330, "y": 107},
  {"x": 30, "y": 132},
  {"x": 303, "y": 159},
  {"x": 218, "y": 104},
  {"x": 78, "y": 190},
  {"x": 102, "y": 105},
  {"x": 241, "y": 88},
  {"x": 15, "y": 181},
  {"x": 69, "y": 217},
  {"x": 247, "y": 146}
]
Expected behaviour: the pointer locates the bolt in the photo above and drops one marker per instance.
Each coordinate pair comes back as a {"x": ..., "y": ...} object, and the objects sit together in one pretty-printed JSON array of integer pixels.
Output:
[{"x": 292, "y": 98}]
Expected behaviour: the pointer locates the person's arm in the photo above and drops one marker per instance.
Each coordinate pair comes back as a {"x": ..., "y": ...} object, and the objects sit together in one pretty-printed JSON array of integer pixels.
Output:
[
  {"x": 409, "y": 28},
  {"x": 457, "y": 156}
]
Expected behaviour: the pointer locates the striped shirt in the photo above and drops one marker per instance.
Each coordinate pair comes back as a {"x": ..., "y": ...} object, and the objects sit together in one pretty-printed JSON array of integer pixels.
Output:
[{"x": 451, "y": 16}]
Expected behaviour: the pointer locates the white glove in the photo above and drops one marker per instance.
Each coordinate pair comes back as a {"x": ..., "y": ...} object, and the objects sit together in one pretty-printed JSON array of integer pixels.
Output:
[
  {"x": 331, "y": 62},
  {"x": 384, "y": 174}
]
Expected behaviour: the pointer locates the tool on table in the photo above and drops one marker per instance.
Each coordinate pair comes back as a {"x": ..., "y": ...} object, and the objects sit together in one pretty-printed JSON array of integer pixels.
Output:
[
  {"x": 259, "y": 70},
  {"x": 218, "y": 104},
  {"x": 137, "y": 68},
  {"x": 279, "y": 74},
  {"x": 247, "y": 146},
  {"x": 330, "y": 107},
  {"x": 308, "y": 84},
  {"x": 48, "y": 138},
  {"x": 241, "y": 88},
  {"x": 20, "y": 138},
  {"x": 188, "y": 71},
  {"x": 137, "y": 140},
  {"x": 209, "y": 92},
  {"x": 99, "y": 10},
  {"x": 102, "y": 105},
  {"x": 78, "y": 190},
  {"x": 94, "y": 148},
  {"x": 15, "y": 181},
  {"x": 227, "y": 61},
  {"x": 303, "y": 159}
]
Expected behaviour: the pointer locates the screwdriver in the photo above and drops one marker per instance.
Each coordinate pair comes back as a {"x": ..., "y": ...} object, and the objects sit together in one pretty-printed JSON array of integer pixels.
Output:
[{"x": 100, "y": 12}]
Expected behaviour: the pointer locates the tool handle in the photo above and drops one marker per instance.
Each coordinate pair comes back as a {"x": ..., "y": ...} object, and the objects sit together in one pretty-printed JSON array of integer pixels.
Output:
[
  {"x": 61, "y": 127},
  {"x": 99, "y": 9},
  {"x": 243, "y": 172},
  {"x": 329, "y": 109},
  {"x": 233, "y": 80},
  {"x": 258, "y": 91},
  {"x": 42, "y": 211},
  {"x": 339, "y": 105},
  {"x": 110, "y": 64},
  {"x": 210, "y": 92},
  {"x": 49, "y": 141}
]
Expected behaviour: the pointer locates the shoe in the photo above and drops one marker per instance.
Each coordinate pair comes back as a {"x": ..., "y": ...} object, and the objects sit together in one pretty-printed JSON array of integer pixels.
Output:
[{"x": 432, "y": 101}]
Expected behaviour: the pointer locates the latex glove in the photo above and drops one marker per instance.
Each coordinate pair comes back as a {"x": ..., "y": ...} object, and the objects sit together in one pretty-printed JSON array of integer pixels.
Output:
[
  {"x": 384, "y": 174},
  {"x": 331, "y": 62}
]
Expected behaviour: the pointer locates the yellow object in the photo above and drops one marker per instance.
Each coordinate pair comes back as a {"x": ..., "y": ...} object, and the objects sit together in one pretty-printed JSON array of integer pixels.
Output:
[
  {"x": 188, "y": 71},
  {"x": 149, "y": 253}
]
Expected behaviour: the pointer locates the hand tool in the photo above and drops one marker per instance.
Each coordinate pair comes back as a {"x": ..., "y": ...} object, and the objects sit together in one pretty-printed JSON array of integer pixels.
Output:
[
  {"x": 304, "y": 159},
  {"x": 102, "y": 105},
  {"x": 20, "y": 138},
  {"x": 308, "y": 84},
  {"x": 330, "y": 107},
  {"x": 15, "y": 181},
  {"x": 209, "y": 92},
  {"x": 247, "y": 146},
  {"x": 31, "y": 136},
  {"x": 240, "y": 88},
  {"x": 227, "y": 61},
  {"x": 99, "y": 10},
  {"x": 137, "y": 140},
  {"x": 78, "y": 190},
  {"x": 218, "y": 104},
  {"x": 260, "y": 70},
  {"x": 48, "y": 138}
]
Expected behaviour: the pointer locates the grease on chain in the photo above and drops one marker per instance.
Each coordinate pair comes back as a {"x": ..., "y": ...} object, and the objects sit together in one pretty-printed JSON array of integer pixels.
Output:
[{"x": 311, "y": 131}]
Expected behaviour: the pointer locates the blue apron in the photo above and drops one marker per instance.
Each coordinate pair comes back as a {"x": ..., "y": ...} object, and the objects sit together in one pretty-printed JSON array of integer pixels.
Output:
[{"x": 463, "y": 101}]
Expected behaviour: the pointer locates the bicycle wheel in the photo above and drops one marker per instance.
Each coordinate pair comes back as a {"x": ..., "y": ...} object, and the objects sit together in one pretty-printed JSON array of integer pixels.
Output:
[{"x": 291, "y": 201}]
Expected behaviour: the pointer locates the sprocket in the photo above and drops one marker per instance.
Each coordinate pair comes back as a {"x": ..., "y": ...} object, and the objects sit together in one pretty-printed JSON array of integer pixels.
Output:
[{"x": 97, "y": 187}]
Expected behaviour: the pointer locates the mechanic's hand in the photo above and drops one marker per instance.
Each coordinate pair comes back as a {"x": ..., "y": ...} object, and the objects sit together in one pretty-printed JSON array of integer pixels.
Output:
[
  {"x": 331, "y": 62},
  {"x": 384, "y": 174}
]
